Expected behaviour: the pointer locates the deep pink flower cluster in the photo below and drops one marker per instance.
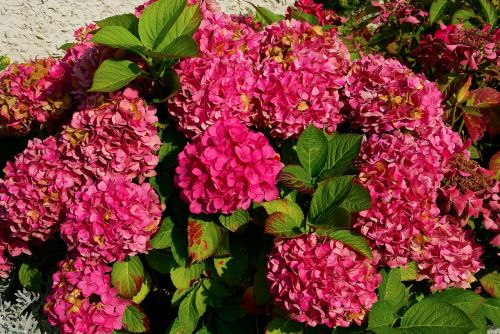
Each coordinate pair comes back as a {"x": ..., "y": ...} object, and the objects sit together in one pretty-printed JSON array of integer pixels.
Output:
[
  {"x": 402, "y": 10},
  {"x": 113, "y": 136},
  {"x": 226, "y": 168},
  {"x": 112, "y": 219},
  {"x": 32, "y": 94},
  {"x": 301, "y": 73},
  {"x": 82, "y": 300},
  {"x": 454, "y": 47},
  {"x": 384, "y": 95},
  {"x": 320, "y": 281},
  {"x": 448, "y": 256}
]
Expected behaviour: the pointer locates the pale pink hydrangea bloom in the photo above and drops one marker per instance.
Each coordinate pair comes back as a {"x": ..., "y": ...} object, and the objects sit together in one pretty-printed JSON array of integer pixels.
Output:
[
  {"x": 82, "y": 300},
  {"x": 32, "y": 94},
  {"x": 384, "y": 95},
  {"x": 226, "y": 168},
  {"x": 320, "y": 281},
  {"x": 302, "y": 70},
  {"x": 112, "y": 219},
  {"x": 448, "y": 256},
  {"x": 113, "y": 135},
  {"x": 34, "y": 191},
  {"x": 402, "y": 10}
]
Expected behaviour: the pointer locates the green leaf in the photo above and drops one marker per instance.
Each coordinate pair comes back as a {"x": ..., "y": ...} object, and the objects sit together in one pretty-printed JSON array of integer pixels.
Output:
[
  {"x": 489, "y": 12},
  {"x": 330, "y": 193},
  {"x": 284, "y": 326},
  {"x": 358, "y": 200},
  {"x": 144, "y": 291},
  {"x": 381, "y": 317},
  {"x": 303, "y": 16},
  {"x": 409, "y": 272},
  {"x": 296, "y": 177},
  {"x": 261, "y": 287},
  {"x": 160, "y": 261},
  {"x": 491, "y": 283},
  {"x": 180, "y": 244},
  {"x": 357, "y": 242},
  {"x": 265, "y": 16},
  {"x": 438, "y": 8},
  {"x": 64, "y": 47},
  {"x": 114, "y": 74},
  {"x": 434, "y": 317},
  {"x": 311, "y": 149},
  {"x": 163, "y": 238},
  {"x": 175, "y": 327},
  {"x": 30, "y": 277},
  {"x": 492, "y": 310},
  {"x": 184, "y": 277},
  {"x": 203, "y": 238},
  {"x": 462, "y": 15},
  {"x": 127, "y": 21},
  {"x": 120, "y": 38},
  {"x": 285, "y": 206},
  {"x": 188, "y": 312},
  {"x": 342, "y": 150},
  {"x": 392, "y": 290},
  {"x": 134, "y": 320},
  {"x": 172, "y": 144},
  {"x": 334, "y": 218},
  {"x": 235, "y": 220},
  {"x": 157, "y": 19},
  {"x": 185, "y": 25},
  {"x": 181, "y": 47},
  {"x": 231, "y": 268},
  {"x": 466, "y": 300},
  {"x": 282, "y": 225},
  {"x": 127, "y": 276}
]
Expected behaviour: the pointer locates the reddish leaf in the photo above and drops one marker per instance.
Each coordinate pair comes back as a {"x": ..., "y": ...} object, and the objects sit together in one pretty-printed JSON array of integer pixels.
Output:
[
  {"x": 298, "y": 178},
  {"x": 249, "y": 304},
  {"x": 495, "y": 165},
  {"x": 464, "y": 90},
  {"x": 203, "y": 238},
  {"x": 491, "y": 283},
  {"x": 485, "y": 98},
  {"x": 475, "y": 125},
  {"x": 282, "y": 225}
]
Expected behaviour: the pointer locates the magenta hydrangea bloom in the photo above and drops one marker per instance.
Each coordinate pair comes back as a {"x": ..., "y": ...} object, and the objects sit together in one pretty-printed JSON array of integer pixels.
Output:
[
  {"x": 32, "y": 94},
  {"x": 302, "y": 70},
  {"x": 448, "y": 256},
  {"x": 402, "y": 10},
  {"x": 403, "y": 174},
  {"x": 34, "y": 191},
  {"x": 384, "y": 95},
  {"x": 113, "y": 135},
  {"x": 226, "y": 168},
  {"x": 320, "y": 281},
  {"x": 112, "y": 219},
  {"x": 82, "y": 300}
]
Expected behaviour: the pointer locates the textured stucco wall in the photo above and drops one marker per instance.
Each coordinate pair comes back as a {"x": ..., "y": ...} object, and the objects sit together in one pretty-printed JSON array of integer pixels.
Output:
[{"x": 38, "y": 27}]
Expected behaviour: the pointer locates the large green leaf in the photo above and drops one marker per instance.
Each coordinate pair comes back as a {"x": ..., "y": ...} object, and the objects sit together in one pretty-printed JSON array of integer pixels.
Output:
[
  {"x": 312, "y": 149},
  {"x": 188, "y": 312},
  {"x": 127, "y": 21},
  {"x": 392, "y": 290},
  {"x": 342, "y": 151},
  {"x": 435, "y": 317},
  {"x": 114, "y": 74},
  {"x": 466, "y": 300},
  {"x": 134, "y": 320},
  {"x": 489, "y": 12},
  {"x": 334, "y": 218},
  {"x": 231, "y": 268},
  {"x": 127, "y": 276},
  {"x": 184, "y": 277},
  {"x": 120, "y": 38},
  {"x": 492, "y": 310},
  {"x": 381, "y": 317},
  {"x": 491, "y": 283},
  {"x": 265, "y": 16},
  {"x": 185, "y": 25},
  {"x": 158, "y": 18},
  {"x": 438, "y": 8},
  {"x": 296, "y": 177},
  {"x": 284, "y": 326},
  {"x": 163, "y": 238},
  {"x": 359, "y": 199},
  {"x": 235, "y": 220},
  {"x": 182, "y": 47},
  {"x": 355, "y": 241},
  {"x": 204, "y": 237},
  {"x": 282, "y": 225},
  {"x": 330, "y": 193},
  {"x": 285, "y": 206},
  {"x": 160, "y": 260},
  {"x": 303, "y": 16}
]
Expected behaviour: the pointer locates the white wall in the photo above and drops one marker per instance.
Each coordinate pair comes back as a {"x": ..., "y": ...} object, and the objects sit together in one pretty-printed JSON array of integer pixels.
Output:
[{"x": 30, "y": 28}]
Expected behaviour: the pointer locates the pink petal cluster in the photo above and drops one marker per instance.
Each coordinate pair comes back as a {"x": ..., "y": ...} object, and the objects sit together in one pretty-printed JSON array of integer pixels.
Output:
[
  {"x": 402, "y": 10},
  {"x": 320, "y": 281},
  {"x": 324, "y": 16},
  {"x": 454, "y": 47},
  {"x": 226, "y": 168},
  {"x": 82, "y": 300},
  {"x": 111, "y": 219},
  {"x": 32, "y": 94},
  {"x": 113, "y": 135},
  {"x": 300, "y": 76},
  {"x": 384, "y": 95},
  {"x": 448, "y": 256},
  {"x": 34, "y": 191}
]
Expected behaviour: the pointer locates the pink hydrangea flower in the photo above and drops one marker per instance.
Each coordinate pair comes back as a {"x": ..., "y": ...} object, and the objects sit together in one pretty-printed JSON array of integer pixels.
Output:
[
  {"x": 9, "y": 245},
  {"x": 302, "y": 70},
  {"x": 384, "y": 95},
  {"x": 320, "y": 281},
  {"x": 401, "y": 10},
  {"x": 448, "y": 256},
  {"x": 112, "y": 219},
  {"x": 82, "y": 300},
  {"x": 403, "y": 174},
  {"x": 32, "y": 94},
  {"x": 34, "y": 191},
  {"x": 113, "y": 135},
  {"x": 226, "y": 168}
]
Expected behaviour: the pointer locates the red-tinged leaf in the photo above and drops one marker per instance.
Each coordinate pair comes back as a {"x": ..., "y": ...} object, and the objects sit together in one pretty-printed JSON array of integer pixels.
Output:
[
  {"x": 203, "y": 238},
  {"x": 297, "y": 178},
  {"x": 249, "y": 304},
  {"x": 282, "y": 225},
  {"x": 484, "y": 98},
  {"x": 134, "y": 320},
  {"x": 464, "y": 90},
  {"x": 475, "y": 125},
  {"x": 495, "y": 165},
  {"x": 127, "y": 276},
  {"x": 491, "y": 283},
  {"x": 493, "y": 126}
]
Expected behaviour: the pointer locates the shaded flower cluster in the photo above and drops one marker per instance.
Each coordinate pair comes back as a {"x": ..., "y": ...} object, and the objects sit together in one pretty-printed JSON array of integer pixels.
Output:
[
  {"x": 32, "y": 95},
  {"x": 112, "y": 219},
  {"x": 320, "y": 281},
  {"x": 82, "y": 300},
  {"x": 402, "y": 11},
  {"x": 226, "y": 168},
  {"x": 324, "y": 16}
]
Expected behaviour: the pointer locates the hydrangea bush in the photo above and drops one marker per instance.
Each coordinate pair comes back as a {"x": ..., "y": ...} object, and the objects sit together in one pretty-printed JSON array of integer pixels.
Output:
[{"x": 331, "y": 169}]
